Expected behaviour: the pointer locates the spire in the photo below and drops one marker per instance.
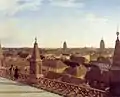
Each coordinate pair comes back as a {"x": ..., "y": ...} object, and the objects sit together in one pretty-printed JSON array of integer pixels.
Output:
[
  {"x": 117, "y": 33},
  {"x": 116, "y": 56},
  {"x": 35, "y": 39},
  {"x": 117, "y": 40},
  {"x": 35, "y": 62},
  {"x": 102, "y": 38},
  {"x": 117, "y": 27},
  {"x": 64, "y": 45},
  {"x": 35, "y": 54},
  {"x": 102, "y": 45},
  {"x": 115, "y": 70}
]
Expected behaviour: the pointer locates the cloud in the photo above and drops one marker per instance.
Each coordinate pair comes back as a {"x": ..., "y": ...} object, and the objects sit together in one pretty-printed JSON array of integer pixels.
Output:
[
  {"x": 67, "y": 3},
  {"x": 95, "y": 21},
  {"x": 28, "y": 5},
  {"x": 94, "y": 18},
  {"x": 10, "y": 7}
]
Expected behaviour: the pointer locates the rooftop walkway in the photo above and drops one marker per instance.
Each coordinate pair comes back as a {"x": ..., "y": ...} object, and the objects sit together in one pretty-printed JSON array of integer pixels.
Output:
[{"x": 10, "y": 88}]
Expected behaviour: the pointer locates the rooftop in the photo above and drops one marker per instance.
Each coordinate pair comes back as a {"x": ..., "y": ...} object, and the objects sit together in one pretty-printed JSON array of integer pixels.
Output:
[{"x": 14, "y": 89}]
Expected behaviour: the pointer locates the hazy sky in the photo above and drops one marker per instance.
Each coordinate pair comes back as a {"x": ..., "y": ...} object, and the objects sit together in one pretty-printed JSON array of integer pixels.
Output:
[{"x": 78, "y": 22}]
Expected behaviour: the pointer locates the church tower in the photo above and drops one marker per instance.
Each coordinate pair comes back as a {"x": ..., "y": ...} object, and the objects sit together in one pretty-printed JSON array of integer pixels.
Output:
[
  {"x": 35, "y": 62},
  {"x": 116, "y": 57},
  {"x": 115, "y": 70},
  {"x": 64, "y": 47},
  {"x": 102, "y": 45}
]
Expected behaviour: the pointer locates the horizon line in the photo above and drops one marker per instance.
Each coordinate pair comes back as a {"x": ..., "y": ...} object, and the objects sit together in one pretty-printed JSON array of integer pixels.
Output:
[{"x": 55, "y": 47}]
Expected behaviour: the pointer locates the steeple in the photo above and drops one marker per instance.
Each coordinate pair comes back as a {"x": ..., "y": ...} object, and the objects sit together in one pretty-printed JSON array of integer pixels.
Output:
[
  {"x": 36, "y": 54},
  {"x": 102, "y": 44},
  {"x": 35, "y": 39},
  {"x": 116, "y": 57},
  {"x": 115, "y": 70},
  {"x": 35, "y": 61},
  {"x": 64, "y": 45},
  {"x": 117, "y": 33},
  {"x": 102, "y": 47}
]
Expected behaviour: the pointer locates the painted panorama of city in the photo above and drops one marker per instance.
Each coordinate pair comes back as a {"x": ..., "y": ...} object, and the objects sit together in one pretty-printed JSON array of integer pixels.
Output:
[{"x": 59, "y": 48}]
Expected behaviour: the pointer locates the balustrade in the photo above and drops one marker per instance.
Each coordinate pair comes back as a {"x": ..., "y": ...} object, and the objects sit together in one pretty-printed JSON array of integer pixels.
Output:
[{"x": 62, "y": 88}]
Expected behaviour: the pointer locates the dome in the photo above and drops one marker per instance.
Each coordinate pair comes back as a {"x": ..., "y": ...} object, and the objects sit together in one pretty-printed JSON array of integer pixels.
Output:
[{"x": 78, "y": 71}]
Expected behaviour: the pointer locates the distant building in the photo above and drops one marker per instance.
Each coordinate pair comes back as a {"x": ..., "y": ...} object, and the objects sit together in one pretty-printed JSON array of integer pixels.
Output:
[
  {"x": 94, "y": 56},
  {"x": 65, "y": 56},
  {"x": 77, "y": 71},
  {"x": 53, "y": 65},
  {"x": 102, "y": 45},
  {"x": 78, "y": 59},
  {"x": 103, "y": 65},
  {"x": 98, "y": 73},
  {"x": 98, "y": 76},
  {"x": 64, "y": 47},
  {"x": 102, "y": 50}
]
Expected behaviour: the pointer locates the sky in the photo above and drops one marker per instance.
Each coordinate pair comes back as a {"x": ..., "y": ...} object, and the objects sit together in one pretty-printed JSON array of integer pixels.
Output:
[{"x": 81, "y": 23}]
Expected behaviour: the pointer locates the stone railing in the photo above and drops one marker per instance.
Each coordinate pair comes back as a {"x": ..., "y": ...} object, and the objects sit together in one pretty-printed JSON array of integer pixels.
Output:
[
  {"x": 58, "y": 87},
  {"x": 63, "y": 88},
  {"x": 68, "y": 89}
]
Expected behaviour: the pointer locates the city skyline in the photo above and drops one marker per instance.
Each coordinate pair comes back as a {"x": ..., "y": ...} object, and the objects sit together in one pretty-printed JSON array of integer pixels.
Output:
[{"x": 78, "y": 22}]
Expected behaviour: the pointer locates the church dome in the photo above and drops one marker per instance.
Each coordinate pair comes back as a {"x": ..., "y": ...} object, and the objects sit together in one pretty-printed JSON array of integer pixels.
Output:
[{"x": 77, "y": 71}]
